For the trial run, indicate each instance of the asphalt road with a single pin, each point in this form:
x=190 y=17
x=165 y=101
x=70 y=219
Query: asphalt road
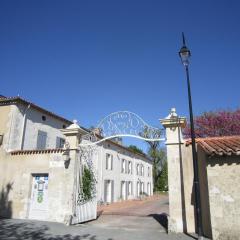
x=36 y=230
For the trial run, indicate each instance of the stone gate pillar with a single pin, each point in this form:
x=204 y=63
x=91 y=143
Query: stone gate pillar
x=73 y=137
x=173 y=125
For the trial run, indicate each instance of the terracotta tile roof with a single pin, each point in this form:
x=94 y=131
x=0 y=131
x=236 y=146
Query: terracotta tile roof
x=35 y=151
x=11 y=100
x=221 y=146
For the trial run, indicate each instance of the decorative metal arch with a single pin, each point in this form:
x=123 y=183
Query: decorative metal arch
x=122 y=124
x=117 y=124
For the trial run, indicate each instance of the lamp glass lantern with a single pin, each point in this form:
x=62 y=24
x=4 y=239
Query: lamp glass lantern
x=185 y=54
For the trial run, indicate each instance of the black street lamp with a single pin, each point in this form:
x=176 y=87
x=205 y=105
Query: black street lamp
x=185 y=54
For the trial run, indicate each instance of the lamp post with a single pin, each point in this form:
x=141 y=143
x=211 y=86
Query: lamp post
x=185 y=54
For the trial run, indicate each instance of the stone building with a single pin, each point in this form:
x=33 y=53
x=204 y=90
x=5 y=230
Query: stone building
x=25 y=125
x=219 y=165
x=38 y=175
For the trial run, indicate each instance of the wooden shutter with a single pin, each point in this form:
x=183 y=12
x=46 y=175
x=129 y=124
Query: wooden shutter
x=105 y=190
x=121 y=195
x=112 y=186
x=41 y=140
x=111 y=162
x=107 y=161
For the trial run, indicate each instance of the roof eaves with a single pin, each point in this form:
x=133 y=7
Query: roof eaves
x=36 y=151
x=19 y=99
x=219 y=146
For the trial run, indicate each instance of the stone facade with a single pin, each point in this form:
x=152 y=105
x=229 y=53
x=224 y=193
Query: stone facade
x=218 y=179
x=20 y=124
x=18 y=173
x=224 y=196
x=21 y=162
x=220 y=198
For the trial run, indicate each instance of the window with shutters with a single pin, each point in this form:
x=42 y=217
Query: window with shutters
x=41 y=140
x=149 y=172
x=138 y=169
x=130 y=167
x=109 y=161
x=60 y=142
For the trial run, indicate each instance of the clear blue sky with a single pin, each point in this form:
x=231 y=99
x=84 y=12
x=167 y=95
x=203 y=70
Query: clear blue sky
x=86 y=59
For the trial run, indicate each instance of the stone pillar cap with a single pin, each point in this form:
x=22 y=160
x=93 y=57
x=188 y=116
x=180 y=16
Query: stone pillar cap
x=74 y=125
x=173 y=120
x=74 y=128
x=172 y=113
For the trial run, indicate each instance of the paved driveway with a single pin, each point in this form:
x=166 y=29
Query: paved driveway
x=154 y=205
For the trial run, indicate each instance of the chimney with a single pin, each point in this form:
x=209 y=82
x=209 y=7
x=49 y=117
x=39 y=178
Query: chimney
x=97 y=131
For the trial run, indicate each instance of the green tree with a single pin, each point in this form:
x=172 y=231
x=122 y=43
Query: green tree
x=135 y=149
x=155 y=152
x=162 y=181
x=159 y=158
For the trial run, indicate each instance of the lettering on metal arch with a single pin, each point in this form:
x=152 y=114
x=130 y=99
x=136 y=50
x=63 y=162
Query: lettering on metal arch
x=122 y=124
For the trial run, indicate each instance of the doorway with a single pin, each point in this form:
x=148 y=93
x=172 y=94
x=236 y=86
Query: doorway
x=123 y=190
x=39 y=197
x=109 y=191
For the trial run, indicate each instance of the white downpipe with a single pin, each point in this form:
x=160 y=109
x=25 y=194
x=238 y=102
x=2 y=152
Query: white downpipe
x=101 y=176
x=24 y=126
x=11 y=126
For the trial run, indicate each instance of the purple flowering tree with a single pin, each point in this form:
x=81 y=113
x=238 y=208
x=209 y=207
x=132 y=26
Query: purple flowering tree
x=212 y=124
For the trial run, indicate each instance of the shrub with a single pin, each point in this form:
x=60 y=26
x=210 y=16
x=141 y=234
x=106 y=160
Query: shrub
x=87 y=184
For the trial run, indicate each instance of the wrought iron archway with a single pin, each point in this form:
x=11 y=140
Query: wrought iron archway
x=115 y=125
x=122 y=124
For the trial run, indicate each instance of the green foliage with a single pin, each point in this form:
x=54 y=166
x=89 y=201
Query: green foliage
x=135 y=149
x=159 y=158
x=87 y=184
x=162 y=181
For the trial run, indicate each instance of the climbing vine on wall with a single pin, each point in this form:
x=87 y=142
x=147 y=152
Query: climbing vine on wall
x=88 y=186
x=87 y=182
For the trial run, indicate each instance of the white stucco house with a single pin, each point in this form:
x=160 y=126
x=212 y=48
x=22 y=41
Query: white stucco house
x=121 y=173
x=34 y=179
